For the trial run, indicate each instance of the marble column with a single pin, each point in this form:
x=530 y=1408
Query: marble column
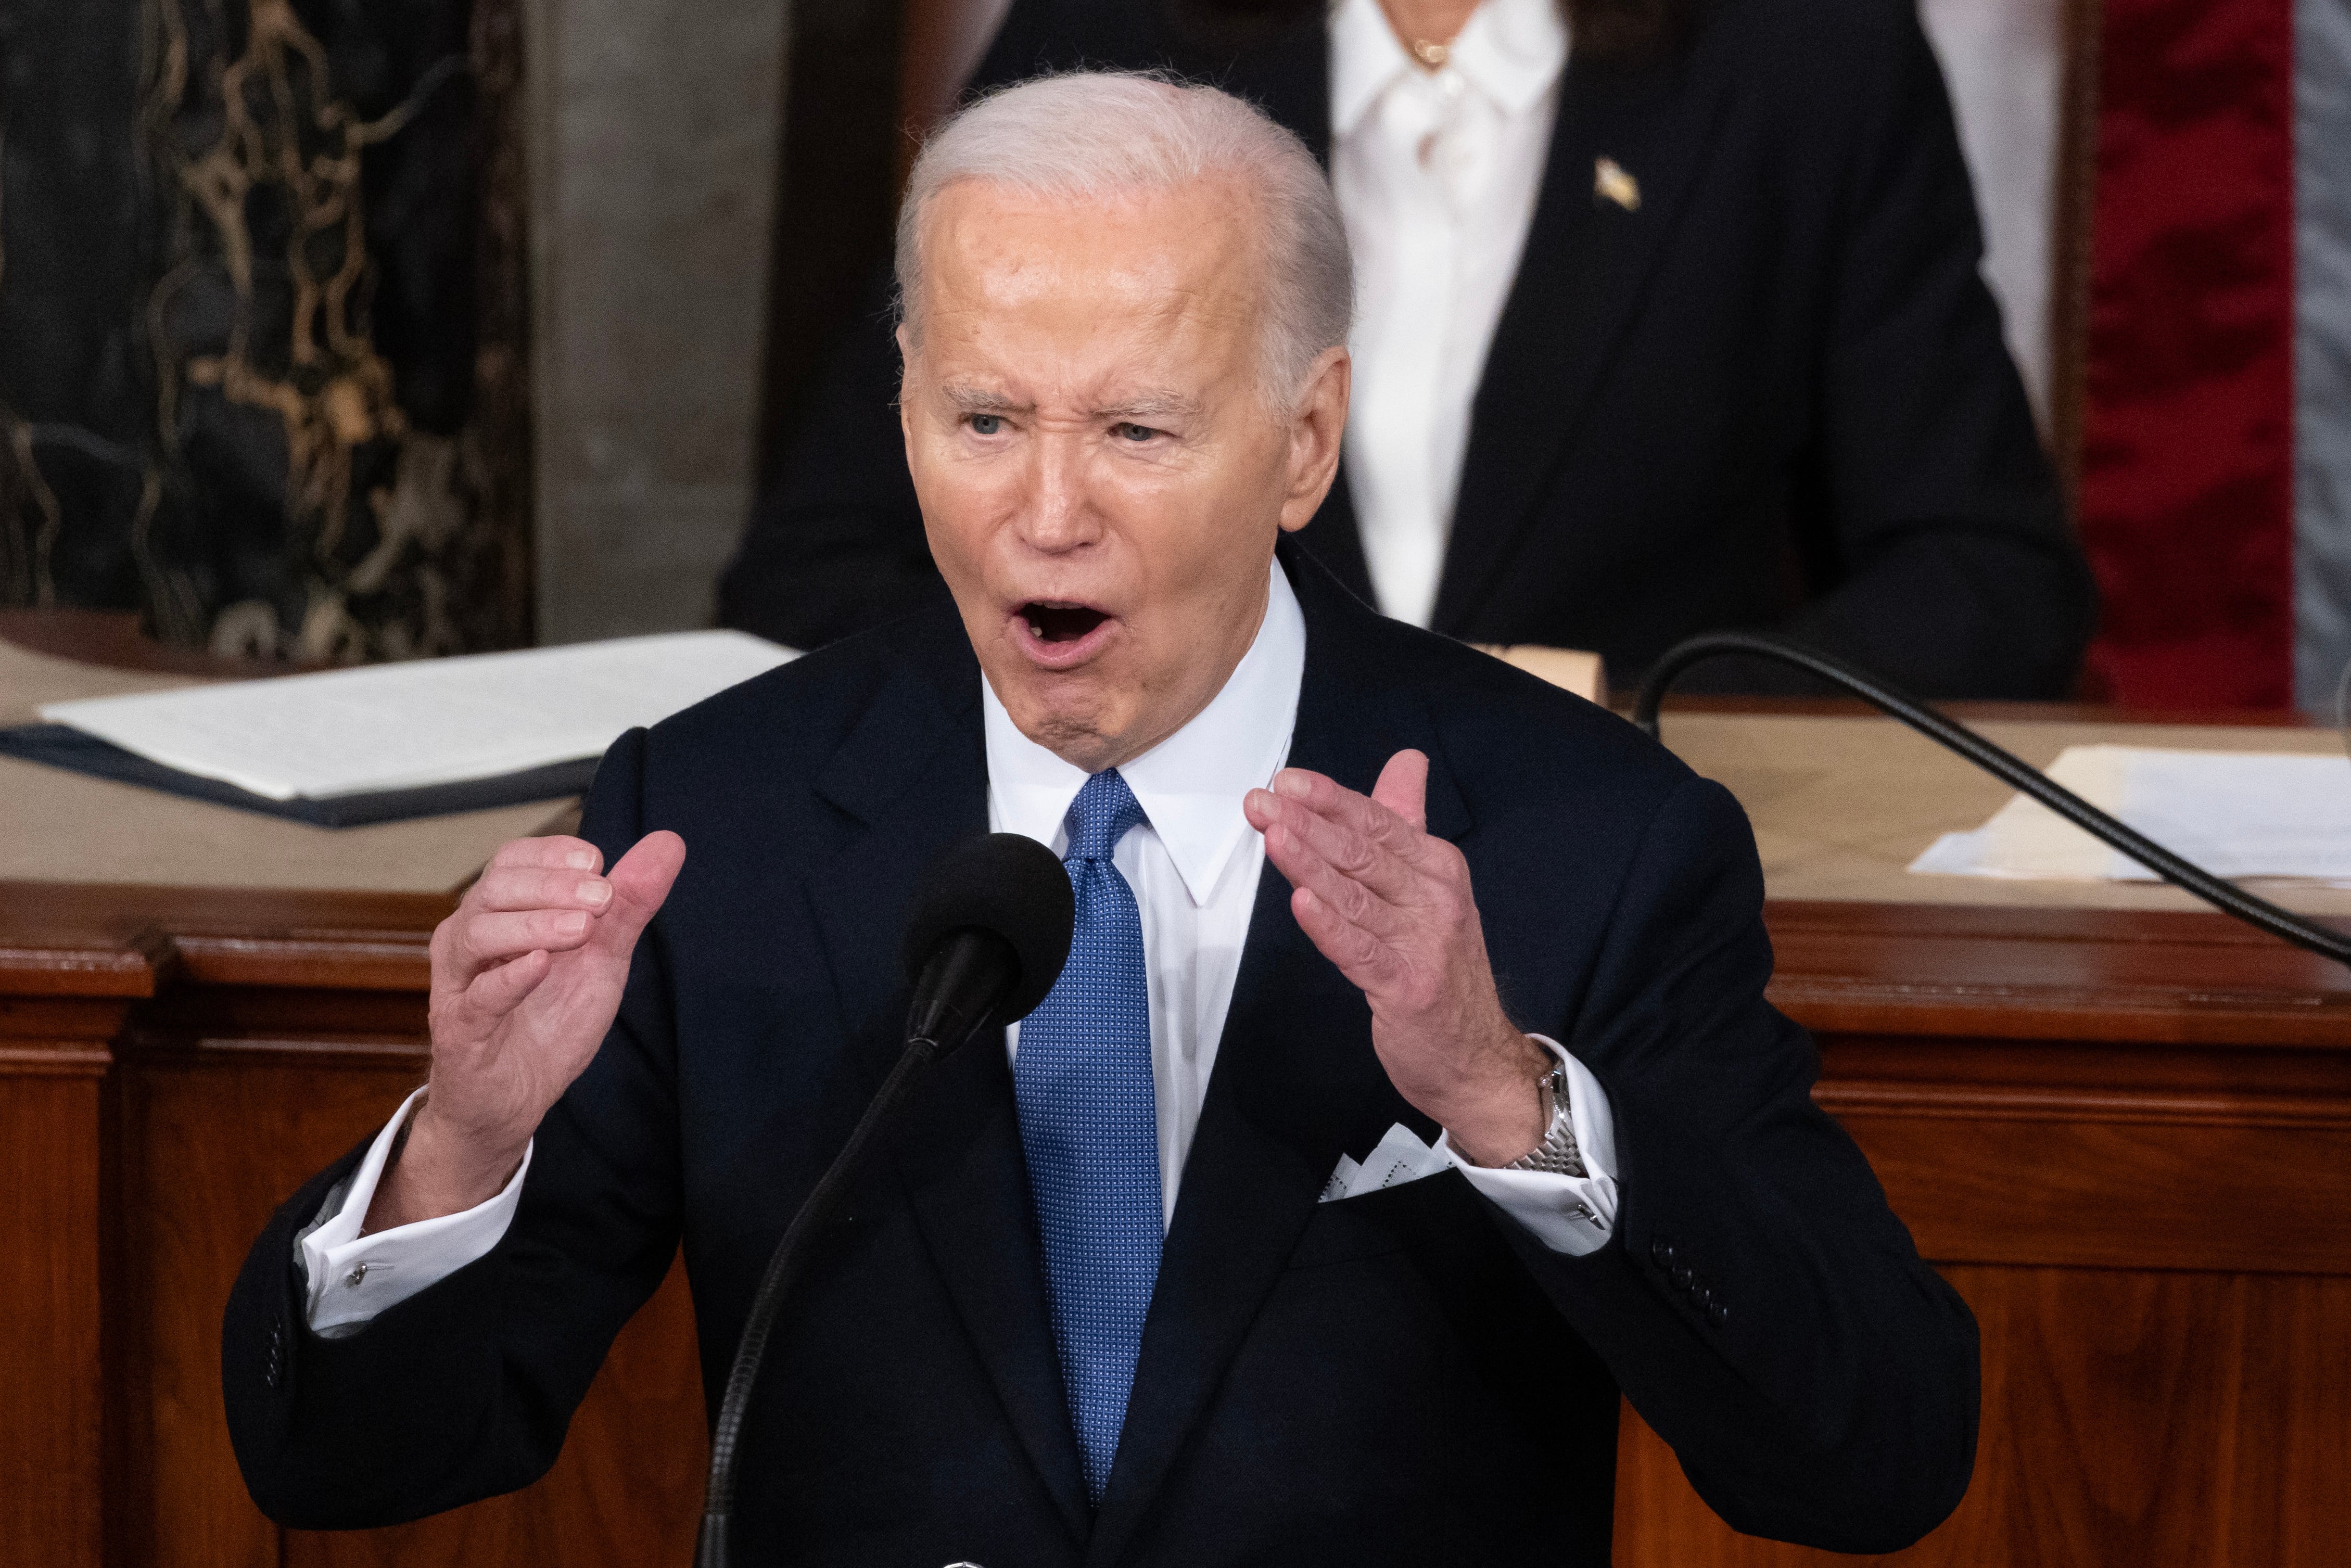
x=653 y=143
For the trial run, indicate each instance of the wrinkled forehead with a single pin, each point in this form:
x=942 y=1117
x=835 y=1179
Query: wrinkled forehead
x=1174 y=263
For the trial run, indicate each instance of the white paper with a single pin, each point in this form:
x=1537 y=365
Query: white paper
x=432 y=721
x=2237 y=814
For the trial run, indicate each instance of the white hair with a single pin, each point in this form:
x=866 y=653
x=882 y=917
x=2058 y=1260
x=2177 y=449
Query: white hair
x=1099 y=133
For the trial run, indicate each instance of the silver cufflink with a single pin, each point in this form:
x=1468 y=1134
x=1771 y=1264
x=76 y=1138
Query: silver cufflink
x=355 y=1276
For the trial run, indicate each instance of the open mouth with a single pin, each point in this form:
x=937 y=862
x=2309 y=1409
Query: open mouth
x=1050 y=623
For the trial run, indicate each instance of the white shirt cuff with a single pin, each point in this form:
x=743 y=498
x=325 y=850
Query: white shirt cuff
x=351 y=1277
x=1575 y=1215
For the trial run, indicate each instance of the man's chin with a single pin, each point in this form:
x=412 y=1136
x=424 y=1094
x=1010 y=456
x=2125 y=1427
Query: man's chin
x=1076 y=714
x=1077 y=737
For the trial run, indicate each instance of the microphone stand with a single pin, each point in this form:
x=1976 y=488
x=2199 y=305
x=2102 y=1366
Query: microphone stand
x=986 y=942
x=2226 y=896
x=726 y=1435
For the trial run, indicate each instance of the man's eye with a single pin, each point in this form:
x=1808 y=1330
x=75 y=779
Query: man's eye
x=1135 y=431
x=987 y=424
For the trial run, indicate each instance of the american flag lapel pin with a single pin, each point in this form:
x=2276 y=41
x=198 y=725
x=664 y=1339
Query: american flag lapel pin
x=1610 y=183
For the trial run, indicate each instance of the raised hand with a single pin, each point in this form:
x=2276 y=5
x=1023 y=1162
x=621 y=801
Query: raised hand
x=1392 y=907
x=528 y=974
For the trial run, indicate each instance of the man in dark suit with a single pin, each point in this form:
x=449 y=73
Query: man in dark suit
x=1409 y=1092
x=1746 y=374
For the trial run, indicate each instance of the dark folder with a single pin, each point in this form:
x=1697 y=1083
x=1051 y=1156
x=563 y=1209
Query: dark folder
x=58 y=745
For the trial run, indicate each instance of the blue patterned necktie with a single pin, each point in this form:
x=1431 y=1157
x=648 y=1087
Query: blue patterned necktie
x=1089 y=1126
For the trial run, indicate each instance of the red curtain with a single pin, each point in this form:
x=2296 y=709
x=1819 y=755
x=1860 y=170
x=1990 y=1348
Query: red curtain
x=2186 y=475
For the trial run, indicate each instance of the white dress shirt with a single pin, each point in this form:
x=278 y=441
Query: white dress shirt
x=1193 y=866
x=1437 y=173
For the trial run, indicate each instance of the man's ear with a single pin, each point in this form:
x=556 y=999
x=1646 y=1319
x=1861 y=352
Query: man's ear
x=1316 y=430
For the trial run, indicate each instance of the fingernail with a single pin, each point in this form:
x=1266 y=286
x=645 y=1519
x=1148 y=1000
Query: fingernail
x=581 y=860
x=571 y=924
x=1290 y=783
x=594 y=890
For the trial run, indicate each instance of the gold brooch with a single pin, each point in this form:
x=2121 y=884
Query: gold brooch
x=1611 y=183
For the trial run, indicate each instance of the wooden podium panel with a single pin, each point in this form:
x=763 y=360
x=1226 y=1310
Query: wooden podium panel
x=234 y=1045
x=2126 y=1141
x=2196 y=1421
x=2132 y=1157
x=2122 y=1129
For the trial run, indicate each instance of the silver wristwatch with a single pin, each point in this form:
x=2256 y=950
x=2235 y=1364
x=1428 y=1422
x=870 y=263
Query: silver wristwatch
x=1557 y=1154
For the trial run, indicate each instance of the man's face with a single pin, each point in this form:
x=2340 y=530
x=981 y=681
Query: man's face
x=1101 y=474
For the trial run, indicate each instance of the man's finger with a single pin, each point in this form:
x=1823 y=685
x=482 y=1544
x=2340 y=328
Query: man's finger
x=1365 y=960
x=1387 y=861
x=640 y=882
x=1404 y=787
x=1348 y=892
x=1369 y=881
x=554 y=852
x=488 y=939
x=1326 y=797
x=498 y=990
x=536 y=887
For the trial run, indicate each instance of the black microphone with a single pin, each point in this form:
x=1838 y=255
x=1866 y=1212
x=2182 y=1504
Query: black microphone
x=989 y=937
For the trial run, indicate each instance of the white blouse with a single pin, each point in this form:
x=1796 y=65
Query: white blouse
x=1437 y=173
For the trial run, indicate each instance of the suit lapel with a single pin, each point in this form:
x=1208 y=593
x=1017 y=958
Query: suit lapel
x=1586 y=265
x=911 y=781
x=1296 y=1084
x=958 y=1152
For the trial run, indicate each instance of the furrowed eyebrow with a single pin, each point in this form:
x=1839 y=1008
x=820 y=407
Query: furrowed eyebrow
x=966 y=398
x=1149 y=407
x=969 y=399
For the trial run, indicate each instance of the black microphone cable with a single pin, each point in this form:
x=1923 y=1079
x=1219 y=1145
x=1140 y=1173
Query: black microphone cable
x=2223 y=896
x=989 y=937
x=726 y=1433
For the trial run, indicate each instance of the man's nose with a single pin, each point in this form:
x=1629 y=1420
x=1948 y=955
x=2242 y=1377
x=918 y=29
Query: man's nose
x=1057 y=513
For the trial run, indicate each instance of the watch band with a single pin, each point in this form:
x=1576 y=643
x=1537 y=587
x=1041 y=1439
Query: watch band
x=1557 y=1154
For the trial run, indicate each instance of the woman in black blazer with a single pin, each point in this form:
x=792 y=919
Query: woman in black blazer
x=1747 y=373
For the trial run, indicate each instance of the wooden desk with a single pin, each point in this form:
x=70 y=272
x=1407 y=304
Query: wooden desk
x=2123 y=1129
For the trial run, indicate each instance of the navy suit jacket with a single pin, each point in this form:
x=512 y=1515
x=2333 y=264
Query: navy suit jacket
x=1402 y=1378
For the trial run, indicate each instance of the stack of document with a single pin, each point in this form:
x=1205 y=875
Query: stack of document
x=402 y=739
x=2237 y=814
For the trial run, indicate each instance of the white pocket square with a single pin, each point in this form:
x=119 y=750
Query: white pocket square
x=1399 y=1158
